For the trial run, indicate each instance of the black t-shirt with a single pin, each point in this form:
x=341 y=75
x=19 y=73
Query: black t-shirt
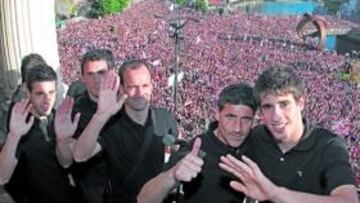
x=135 y=153
x=317 y=164
x=212 y=184
x=43 y=178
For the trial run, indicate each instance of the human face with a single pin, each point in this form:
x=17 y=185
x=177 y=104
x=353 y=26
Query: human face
x=282 y=116
x=138 y=87
x=94 y=72
x=235 y=122
x=42 y=97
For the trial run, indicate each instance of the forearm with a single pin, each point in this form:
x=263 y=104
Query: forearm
x=344 y=194
x=87 y=142
x=8 y=160
x=64 y=151
x=156 y=190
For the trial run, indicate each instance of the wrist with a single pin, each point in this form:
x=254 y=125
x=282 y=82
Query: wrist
x=170 y=177
x=64 y=139
x=101 y=117
x=13 y=137
x=276 y=193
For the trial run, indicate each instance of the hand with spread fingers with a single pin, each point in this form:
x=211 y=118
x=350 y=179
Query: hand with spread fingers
x=65 y=127
x=190 y=166
x=110 y=98
x=253 y=182
x=19 y=125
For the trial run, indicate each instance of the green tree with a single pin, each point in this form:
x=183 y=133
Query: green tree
x=201 y=5
x=108 y=7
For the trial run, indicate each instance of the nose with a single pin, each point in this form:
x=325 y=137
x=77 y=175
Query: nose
x=46 y=99
x=98 y=78
x=276 y=115
x=237 y=126
x=139 y=91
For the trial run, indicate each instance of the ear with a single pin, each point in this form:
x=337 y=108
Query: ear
x=217 y=116
x=301 y=102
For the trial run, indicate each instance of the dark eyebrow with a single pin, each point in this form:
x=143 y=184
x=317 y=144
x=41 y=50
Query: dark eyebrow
x=230 y=115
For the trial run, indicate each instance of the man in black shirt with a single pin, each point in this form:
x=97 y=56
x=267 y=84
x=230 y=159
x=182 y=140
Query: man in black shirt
x=294 y=160
x=203 y=180
x=132 y=141
x=91 y=177
x=30 y=145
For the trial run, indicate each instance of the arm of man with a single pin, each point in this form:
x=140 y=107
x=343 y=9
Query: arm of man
x=108 y=104
x=185 y=170
x=255 y=185
x=18 y=128
x=64 y=130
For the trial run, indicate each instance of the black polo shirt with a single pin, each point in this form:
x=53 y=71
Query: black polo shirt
x=317 y=164
x=124 y=142
x=213 y=183
x=43 y=178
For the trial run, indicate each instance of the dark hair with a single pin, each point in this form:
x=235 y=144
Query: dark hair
x=279 y=81
x=97 y=55
x=131 y=64
x=40 y=73
x=28 y=62
x=237 y=94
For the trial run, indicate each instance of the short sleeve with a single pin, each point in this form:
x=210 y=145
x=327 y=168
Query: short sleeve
x=337 y=167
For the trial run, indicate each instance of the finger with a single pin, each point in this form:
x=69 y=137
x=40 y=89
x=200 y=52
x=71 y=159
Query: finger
x=28 y=109
x=238 y=186
x=70 y=105
x=230 y=169
x=239 y=164
x=184 y=175
x=195 y=160
x=103 y=83
x=16 y=108
x=116 y=83
x=249 y=162
x=62 y=107
x=192 y=165
x=109 y=80
x=228 y=162
x=196 y=147
x=121 y=101
x=31 y=121
x=23 y=106
x=76 y=119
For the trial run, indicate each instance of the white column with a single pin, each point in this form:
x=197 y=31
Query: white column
x=27 y=26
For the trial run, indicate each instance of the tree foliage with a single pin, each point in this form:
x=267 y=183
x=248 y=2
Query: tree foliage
x=108 y=7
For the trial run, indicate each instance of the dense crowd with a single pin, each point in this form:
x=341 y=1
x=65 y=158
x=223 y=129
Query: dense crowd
x=217 y=51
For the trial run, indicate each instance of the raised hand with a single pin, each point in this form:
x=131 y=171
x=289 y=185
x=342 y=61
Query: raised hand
x=253 y=182
x=65 y=127
x=110 y=99
x=18 y=124
x=190 y=166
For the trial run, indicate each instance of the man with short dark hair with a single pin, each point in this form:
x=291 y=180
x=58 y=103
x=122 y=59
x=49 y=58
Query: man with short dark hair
x=27 y=63
x=30 y=145
x=131 y=138
x=294 y=160
x=203 y=180
x=91 y=177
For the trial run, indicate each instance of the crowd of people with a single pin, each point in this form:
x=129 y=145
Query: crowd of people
x=217 y=51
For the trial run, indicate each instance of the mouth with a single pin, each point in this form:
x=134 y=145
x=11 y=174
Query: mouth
x=279 y=127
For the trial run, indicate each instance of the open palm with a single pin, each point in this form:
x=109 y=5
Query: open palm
x=65 y=127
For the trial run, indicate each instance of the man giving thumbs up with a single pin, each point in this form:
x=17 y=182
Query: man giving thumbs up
x=202 y=179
